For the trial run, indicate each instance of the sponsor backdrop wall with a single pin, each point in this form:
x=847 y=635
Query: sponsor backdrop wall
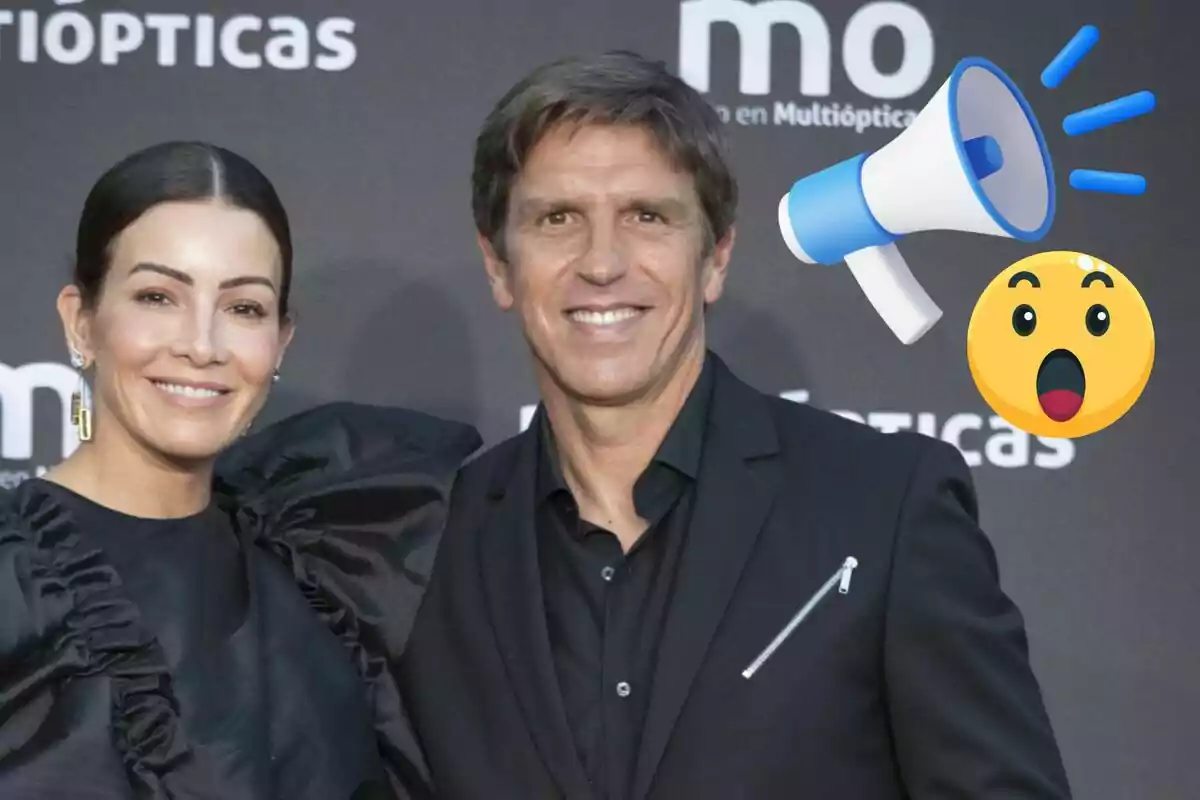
x=364 y=113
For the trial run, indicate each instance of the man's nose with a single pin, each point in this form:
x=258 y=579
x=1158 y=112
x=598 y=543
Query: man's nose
x=605 y=260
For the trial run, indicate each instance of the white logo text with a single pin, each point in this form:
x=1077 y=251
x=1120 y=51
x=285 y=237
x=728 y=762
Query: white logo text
x=755 y=22
x=241 y=41
x=17 y=388
x=980 y=439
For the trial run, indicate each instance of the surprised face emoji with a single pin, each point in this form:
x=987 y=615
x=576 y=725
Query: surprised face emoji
x=1060 y=344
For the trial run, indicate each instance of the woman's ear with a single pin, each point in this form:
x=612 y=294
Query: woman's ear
x=287 y=330
x=77 y=323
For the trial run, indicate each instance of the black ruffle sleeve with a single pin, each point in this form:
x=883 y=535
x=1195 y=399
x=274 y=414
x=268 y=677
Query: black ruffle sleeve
x=352 y=499
x=64 y=621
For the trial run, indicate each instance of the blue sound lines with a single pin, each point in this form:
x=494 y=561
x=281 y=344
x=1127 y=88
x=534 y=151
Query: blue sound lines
x=1097 y=117
x=1110 y=113
x=1070 y=56
x=1094 y=180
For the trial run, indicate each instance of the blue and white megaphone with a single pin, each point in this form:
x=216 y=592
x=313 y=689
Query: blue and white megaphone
x=973 y=160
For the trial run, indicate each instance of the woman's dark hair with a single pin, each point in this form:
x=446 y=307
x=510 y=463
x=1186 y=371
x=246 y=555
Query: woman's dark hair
x=172 y=172
x=617 y=87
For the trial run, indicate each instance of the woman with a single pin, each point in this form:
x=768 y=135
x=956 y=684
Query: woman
x=170 y=629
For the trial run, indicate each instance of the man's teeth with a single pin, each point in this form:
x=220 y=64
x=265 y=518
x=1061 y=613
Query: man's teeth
x=186 y=391
x=604 y=317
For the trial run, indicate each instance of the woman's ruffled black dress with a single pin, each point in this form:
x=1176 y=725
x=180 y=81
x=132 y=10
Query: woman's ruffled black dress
x=242 y=653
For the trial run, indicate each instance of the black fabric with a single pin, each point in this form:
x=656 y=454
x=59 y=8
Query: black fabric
x=916 y=683
x=186 y=576
x=604 y=607
x=133 y=666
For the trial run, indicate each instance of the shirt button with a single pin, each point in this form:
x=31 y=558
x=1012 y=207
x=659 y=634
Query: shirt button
x=623 y=689
x=607 y=573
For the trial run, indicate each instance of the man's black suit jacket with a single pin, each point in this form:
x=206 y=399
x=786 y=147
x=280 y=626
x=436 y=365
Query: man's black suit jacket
x=914 y=684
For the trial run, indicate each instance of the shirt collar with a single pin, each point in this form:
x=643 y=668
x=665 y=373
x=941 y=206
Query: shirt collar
x=681 y=448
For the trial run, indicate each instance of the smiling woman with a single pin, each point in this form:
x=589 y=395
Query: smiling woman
x=173 y=627
x=183 y=270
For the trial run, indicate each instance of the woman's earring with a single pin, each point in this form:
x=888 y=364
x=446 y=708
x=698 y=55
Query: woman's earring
x=275 y=377
x=81 y=400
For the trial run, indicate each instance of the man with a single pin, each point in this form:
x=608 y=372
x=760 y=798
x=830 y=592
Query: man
x=607 y=578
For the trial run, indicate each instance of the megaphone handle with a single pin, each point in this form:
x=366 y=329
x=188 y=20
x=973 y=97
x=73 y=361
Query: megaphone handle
x=893 y=291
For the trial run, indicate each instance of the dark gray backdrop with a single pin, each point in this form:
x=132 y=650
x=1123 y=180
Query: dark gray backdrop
x=1096 y=538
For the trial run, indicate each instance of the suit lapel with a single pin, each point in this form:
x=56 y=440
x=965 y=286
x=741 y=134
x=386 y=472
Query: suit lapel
x=513 y=585
x=734 y=496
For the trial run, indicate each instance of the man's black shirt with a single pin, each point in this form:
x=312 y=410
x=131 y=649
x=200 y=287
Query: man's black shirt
x=604 y=608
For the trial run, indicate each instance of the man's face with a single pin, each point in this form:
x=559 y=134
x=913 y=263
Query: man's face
x=605 y=263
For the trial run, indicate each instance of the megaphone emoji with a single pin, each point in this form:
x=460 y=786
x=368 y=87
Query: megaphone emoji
x=973 y=160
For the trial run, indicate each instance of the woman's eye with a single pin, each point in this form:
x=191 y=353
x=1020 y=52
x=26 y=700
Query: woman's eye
x=152 y=298
x=249 y=310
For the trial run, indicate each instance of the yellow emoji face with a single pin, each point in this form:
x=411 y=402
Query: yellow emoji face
x=1060 y=344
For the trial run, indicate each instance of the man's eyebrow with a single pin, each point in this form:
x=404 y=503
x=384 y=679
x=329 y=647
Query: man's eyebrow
x=534 y=203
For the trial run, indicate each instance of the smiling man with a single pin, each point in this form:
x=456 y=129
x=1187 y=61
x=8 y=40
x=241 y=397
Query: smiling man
x=605 y=614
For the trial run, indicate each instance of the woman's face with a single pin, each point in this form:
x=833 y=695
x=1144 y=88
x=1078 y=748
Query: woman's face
x=186 y=333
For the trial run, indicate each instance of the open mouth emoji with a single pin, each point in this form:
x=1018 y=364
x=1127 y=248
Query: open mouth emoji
x=1060 y=344
x=1060 y=385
